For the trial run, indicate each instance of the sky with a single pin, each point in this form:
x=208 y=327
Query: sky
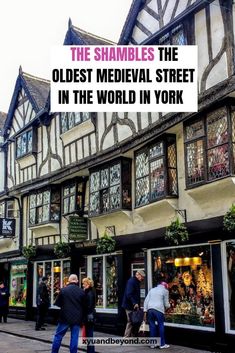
x=28 y=29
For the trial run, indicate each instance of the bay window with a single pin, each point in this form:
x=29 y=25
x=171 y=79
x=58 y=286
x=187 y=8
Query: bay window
x=207 y=146
x=156 y=171
x=74 y=197
x=69 y=120
x=110 y=187
x=44 y=206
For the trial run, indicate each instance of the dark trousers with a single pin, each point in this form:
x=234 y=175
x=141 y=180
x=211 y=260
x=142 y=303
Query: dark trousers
x=3 y=313
x=90 y=333
x=41 y=314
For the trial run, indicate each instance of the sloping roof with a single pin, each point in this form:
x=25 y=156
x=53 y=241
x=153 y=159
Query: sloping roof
x=36 y=89
x=77 y=36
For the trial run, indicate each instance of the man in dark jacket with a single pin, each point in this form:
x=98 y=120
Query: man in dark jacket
x=131 y=300
x=4 y=299
x=71 y=300
x=43 y=303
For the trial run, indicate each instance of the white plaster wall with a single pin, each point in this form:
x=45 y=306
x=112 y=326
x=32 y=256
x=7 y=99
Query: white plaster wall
x=218 y=73
x=109 y=140
x=73 y=153
x=93 y=144
x=217 y=28
x=181 y=7
x=138 y=35
x=86 y=147
x=124 y=132
x=79 y=149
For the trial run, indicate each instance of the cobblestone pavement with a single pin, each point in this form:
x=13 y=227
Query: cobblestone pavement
x=19 y=336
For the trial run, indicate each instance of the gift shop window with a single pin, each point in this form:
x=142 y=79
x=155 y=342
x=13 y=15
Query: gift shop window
x=69 y=120
x=104 y=275
x=18 y=285
x=209 y=147
x=188 y=273
x=57 y=272
x=110 y=188
x=229 y=285
x=24 y=143
x=44 y=206
x=156 y=171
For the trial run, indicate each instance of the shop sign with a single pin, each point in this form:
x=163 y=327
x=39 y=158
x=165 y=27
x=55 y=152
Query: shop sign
x=7 y=227
x=77 y=228
x=86 y=244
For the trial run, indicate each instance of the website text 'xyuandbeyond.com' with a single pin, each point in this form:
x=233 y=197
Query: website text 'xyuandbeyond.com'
x=119 y=341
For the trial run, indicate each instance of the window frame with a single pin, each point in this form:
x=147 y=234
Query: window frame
x=28 y=152
x=41 y=191
x=67 y=115
x=166 y=143
x=76 y=209
x=230 y=109
x=6 y=209
x=112 y=163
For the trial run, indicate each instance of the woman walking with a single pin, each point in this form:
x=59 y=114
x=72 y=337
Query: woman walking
x=155 y=304
x=88 y=286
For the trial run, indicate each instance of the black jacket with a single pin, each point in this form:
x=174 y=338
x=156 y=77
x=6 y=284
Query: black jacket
x=131 y=294
x=90 y=300
x=43 y=295
x=71 y=300
x=4 y=297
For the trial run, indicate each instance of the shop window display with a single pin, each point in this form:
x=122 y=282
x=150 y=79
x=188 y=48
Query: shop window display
x=57 y=272
x=18 y=285
x=104 y=274
x=230 y=251
x=189 y=275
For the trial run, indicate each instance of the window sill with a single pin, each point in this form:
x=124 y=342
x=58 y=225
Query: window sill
x=26 y=161
x=78 y=131
x=161 y=209
x=41 y=230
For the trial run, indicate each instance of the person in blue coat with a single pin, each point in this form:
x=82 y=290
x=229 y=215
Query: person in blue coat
x=131 y=299
x=4 y=301
x=71 y=301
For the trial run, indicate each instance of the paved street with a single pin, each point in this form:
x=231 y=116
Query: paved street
x=19 y=336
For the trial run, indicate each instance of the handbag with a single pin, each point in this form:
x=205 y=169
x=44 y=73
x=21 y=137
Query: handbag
x=136 y=317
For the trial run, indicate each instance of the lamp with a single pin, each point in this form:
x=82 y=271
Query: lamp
x=188 y=261
x=56 y=269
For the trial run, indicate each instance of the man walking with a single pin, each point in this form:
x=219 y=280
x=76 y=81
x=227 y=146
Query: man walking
x=71 y=300
x=4 y=298
x=131 y=300
x=43 y=302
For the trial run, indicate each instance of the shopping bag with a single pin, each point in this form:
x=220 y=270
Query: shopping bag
x=136 y=317
x=144 y=327
x=83 y=334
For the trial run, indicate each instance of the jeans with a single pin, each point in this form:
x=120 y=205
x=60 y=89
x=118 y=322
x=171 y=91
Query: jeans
x=89 y=333
x=61 y=330
x=154 y=315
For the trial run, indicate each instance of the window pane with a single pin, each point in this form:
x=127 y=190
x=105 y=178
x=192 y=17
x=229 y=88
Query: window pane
x=18 y=285
x=115 y=174
x=78 y=118
x=104 y=200
x=72 y=204
x=48 y=275
x=45 y=213
x=94 y=181
x=195 y=130
x=32 y=216
x=64 y=122
x=156 y=150
x=55 y=196
x=217 y=128
x=94 y=203
x=18 y=144
x=189 y=276
x=111 y=282
x=32 y=201
x=115 y=197
x=104 y=178
x=85 y=116
x=142 y=191
x=30 y=141
x=24 y=144
x=66 y=272
x=55 y=212
x=178 y=37
x=142 y=165
x=218 y=162
x=10 y=209
x=39 y=214
x=70 y=120
x=230 y=250
x=97 y=275
x=56 y=282
x=157 y=179
x=39 y=199
x=172 y=181
x=46 y=197
x=195 y=162
x=66 y=205
x=2 y=209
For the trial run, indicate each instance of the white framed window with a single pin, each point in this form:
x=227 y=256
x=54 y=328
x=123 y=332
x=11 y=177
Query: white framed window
x=57 y=272
x=228 y=270
x=103 y=270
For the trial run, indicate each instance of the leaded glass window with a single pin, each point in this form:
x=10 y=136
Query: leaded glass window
x=7 y=209
x=174 y=37
x=110 y=187
x=207 y=147
x=24 y=144
x=156 y=173
x=44 y=206
x=73 y=197
x=69 y=120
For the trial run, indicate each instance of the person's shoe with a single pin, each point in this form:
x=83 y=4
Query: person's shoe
x=153 y=346
x=165 y=346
